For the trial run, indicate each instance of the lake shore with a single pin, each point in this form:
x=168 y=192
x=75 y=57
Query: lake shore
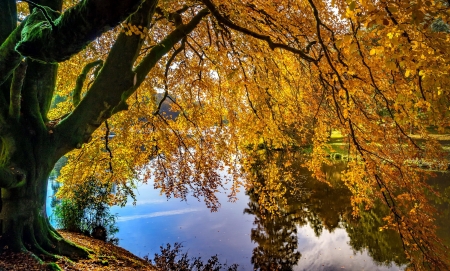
x=105 y=256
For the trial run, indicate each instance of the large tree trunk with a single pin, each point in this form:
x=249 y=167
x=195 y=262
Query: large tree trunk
x=30 y=144
x=28 y=156
x=25 y=226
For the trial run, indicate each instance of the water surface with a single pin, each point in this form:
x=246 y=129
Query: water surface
x=314 y=231
x=313 y=228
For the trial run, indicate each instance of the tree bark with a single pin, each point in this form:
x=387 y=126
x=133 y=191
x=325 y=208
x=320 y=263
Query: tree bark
x=23 y=220
x=28 y=142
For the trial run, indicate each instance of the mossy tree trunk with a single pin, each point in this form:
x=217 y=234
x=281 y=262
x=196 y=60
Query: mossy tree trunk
x=27 y=158
x=30 y=144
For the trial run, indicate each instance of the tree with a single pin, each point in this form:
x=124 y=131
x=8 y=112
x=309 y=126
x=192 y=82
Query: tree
x=244 y=76
x=30 y=143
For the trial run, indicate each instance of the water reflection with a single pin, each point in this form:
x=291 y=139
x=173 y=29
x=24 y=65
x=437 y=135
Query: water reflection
x=275 y=236
x=290 y=222
x=322 y=207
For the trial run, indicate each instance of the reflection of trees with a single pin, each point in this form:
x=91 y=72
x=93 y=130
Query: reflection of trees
x=384 y=247
x=283 y=196
x=276 y=237
x=275 y=230
x=53 y=183
x=327 y=204
x=54 y=186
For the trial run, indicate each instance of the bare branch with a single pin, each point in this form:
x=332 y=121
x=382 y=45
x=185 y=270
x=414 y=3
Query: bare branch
x=166 y=93
x=107 y=146
x=166 y=45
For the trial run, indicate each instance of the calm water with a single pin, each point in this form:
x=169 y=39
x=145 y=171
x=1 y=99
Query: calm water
x=154 y=221
x=314 y=231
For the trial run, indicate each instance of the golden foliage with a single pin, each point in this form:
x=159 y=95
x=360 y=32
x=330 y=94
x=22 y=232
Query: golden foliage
x=281 y=74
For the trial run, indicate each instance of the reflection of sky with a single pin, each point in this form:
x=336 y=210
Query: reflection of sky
x=155 y=221
x=155 y=214
x=331 y=252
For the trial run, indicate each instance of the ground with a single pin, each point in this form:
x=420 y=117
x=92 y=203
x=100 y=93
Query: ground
x=105 y=256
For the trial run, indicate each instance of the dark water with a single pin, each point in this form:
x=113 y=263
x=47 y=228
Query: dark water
x=314 y=230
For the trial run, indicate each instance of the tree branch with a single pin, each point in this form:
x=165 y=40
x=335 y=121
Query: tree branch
x=106 y=91
x=272 y=45
x=73 y=30
x=9 y=57
x=157 y=52
x=119 y=81
x=76 y=92
x=16 y=89
x=107 y=146
x=166 y=72
x=43 y=10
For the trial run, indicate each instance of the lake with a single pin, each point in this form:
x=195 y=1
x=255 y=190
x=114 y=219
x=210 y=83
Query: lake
x=314 y=230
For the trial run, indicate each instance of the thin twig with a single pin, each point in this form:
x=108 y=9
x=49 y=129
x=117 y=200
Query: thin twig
x=166 y=93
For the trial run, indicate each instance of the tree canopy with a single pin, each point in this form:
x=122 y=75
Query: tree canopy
x=243 y=77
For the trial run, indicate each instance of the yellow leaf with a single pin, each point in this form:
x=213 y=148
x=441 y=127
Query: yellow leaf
x=352 y=5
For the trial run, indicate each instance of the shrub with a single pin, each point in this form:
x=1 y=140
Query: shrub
x=88 y=212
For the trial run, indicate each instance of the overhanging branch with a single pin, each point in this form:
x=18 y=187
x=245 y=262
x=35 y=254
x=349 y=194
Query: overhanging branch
x=158 y=51
x=76 y=92
x=43 y=10
x=73 y=30
x=9 y=57
x=115 y=83
x=273 y=45
x=106 y=91
x=108 y=132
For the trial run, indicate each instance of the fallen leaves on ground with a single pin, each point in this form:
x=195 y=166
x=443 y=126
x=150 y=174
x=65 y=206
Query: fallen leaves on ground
x=105 y=256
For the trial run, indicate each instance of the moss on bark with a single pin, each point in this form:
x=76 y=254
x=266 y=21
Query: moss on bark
x=28 y=149
x=71 y=31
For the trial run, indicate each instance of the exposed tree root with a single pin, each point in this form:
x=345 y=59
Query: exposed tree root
x=53 y=267
x=33 y=246
x=42 y=242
